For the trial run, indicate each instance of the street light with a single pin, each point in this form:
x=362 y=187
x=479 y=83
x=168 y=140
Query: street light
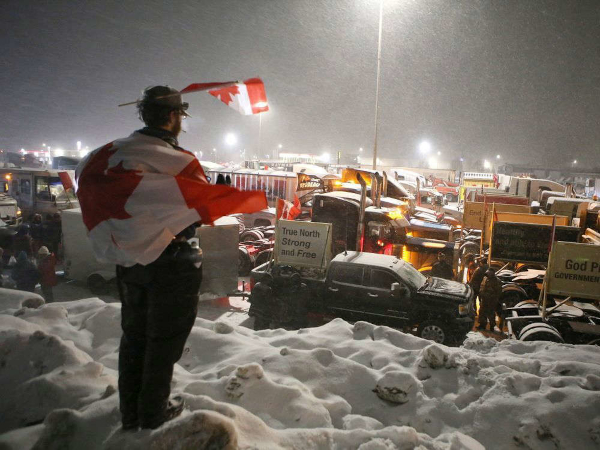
x=486 y=164
x=377 y=86
x=230 y=139
x=439 y=153
x=497 y=156
x=424 y=147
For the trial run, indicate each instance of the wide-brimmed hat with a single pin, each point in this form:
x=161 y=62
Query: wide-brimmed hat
x=43 y=251
x=164 y=96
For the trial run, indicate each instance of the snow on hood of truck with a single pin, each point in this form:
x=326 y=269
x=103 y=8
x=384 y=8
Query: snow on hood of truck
x=347 y=196
x=417 y=223
x=446 y=288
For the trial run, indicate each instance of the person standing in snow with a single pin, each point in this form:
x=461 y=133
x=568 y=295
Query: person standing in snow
x=23 y=241
x=47 y=267
x=491 y=290
x=36 y=232
x=441 y=268
x=25 y=273
x=478 y=275
x=160 y=299
x=470 y=265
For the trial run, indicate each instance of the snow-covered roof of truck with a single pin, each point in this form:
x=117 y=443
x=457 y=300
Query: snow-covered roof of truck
x=370 y=259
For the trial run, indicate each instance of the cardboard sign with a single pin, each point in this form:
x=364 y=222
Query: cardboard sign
x=303 y=244
x=308 y=182
x=473 y=213
x=519 y=218
x=574 y=270
x=526 y=242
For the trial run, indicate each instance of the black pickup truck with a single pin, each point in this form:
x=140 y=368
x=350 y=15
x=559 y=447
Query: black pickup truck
x=380 y=289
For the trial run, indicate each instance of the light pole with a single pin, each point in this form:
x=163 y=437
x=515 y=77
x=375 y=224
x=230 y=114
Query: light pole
x=377 y=86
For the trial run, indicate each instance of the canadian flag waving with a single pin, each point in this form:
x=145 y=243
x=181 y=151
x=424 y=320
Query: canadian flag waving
x=137 y=193
x=248 y=97
x=288 y=210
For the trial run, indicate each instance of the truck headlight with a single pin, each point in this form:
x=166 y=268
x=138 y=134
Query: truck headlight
x=463 y=309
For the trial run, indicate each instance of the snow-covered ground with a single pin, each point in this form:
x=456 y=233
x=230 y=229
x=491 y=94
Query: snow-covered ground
x=339 y=386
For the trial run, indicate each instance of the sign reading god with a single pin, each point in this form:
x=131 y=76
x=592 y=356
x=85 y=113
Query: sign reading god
x=574 y=270
x=303 y=244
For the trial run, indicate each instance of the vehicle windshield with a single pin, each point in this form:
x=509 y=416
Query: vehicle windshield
x=411 y=276
x=57 y=189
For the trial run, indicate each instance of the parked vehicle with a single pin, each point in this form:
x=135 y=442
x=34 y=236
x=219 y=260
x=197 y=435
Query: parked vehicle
x=447 y=189
x=381 y=230
x=39 y=191
x=10 y=213
x=381 y=289
x=532 y=187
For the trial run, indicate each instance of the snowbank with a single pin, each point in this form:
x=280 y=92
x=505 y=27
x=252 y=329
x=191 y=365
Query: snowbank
x=337 y=386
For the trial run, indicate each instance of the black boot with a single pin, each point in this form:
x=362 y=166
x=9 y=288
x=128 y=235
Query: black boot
x=174 y=409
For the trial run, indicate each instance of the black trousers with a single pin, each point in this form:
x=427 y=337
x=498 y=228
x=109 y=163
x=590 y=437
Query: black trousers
x=159 y=306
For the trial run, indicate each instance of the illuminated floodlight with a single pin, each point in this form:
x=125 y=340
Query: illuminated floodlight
x=497 y=156
x=486 y=164
x=230 y=139
x=325 y=157
x=424 y=147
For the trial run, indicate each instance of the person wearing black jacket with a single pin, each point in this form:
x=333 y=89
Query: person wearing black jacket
x=441 y=268
x=159 y=300
x=25 y=273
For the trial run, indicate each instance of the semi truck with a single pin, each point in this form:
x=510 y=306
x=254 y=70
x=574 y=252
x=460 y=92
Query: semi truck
x=362 y=224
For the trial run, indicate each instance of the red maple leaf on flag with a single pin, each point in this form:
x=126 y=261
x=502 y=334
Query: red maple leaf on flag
x=104 y=192
x=225 y=94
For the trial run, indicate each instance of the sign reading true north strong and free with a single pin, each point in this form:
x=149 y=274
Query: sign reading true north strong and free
x=304 y=244
x=574 y=270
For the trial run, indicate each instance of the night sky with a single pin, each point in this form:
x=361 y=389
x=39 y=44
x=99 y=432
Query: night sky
x=475 y=78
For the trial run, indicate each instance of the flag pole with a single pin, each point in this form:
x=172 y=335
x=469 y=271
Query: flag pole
x=545 y=284
x=199 y=87
x=491 y=228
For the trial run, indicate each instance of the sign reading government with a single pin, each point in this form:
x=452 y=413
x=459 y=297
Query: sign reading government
x=574 y=270
x=303 y=244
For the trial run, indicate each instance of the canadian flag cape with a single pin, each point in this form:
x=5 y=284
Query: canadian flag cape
x=137 y=193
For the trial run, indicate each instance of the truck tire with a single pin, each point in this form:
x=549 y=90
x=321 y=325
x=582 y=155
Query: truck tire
x=97 y=284
x=251 y=236
x=244 y=262
x=469 y=247
x=526 y=304
x=434 y=331
x=540 y=331
x=511 y=298
x=263 y=257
